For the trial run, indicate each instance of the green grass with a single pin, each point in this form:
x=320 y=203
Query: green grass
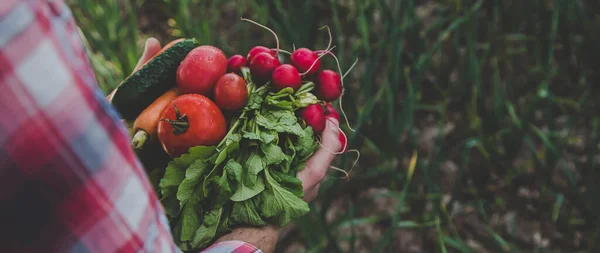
x=516 y=80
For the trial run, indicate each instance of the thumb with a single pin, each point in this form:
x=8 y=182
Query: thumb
x=330 y=136
x=151 y=47
x=318 y=164
x=330 y=143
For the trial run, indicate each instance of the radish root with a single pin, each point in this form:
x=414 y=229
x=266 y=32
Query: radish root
x=347 y=173
x=355 y=160
x=315 y=62
x=328 y=150
x=350 y=68
x=283 y=51
x=330 y=37
x=332 y=152
x=269 y=29
x=344 y=113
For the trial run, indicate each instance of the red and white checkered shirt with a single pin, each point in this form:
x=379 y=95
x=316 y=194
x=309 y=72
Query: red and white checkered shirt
x=69 y=181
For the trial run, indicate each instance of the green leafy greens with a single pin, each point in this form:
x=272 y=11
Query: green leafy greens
x=249 y=179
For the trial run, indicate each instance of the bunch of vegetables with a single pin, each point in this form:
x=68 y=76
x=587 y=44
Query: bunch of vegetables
x=235 y=133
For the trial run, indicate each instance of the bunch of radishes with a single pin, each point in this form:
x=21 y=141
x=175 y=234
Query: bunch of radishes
x=305 y=64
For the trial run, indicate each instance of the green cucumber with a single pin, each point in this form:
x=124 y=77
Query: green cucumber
x=141 y=88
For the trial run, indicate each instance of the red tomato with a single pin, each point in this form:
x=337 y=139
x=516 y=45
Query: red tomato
x=190 y=120
x=231 y=93
x=200 y=69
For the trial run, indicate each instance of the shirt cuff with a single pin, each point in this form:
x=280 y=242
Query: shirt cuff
x=232 y=247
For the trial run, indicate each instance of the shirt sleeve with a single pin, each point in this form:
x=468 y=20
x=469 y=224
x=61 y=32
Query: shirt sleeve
x=232 y=246
x=69 y=180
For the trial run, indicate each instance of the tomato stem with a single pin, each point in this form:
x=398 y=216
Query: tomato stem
x=181 y=124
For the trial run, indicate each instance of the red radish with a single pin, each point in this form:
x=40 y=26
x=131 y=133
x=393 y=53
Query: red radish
x=285 y=76
x=343 y=141
x=235 y=63
x=331 y=112
x=257 y=50
x=262 y=66
x=231 y=93
x=200 y=70
x=306 y=61
x=328 y=86
x=262 y=59
x=314 y=116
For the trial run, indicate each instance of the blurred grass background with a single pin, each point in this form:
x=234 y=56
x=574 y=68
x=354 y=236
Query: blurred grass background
x=494 y=99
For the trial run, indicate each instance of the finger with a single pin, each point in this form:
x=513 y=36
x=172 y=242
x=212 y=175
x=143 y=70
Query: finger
x=317 y=165
x=330 y=142
x=151 y=47
x=109 y=97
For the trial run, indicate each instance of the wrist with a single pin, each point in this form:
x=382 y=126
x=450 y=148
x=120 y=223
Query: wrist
x=263 y=238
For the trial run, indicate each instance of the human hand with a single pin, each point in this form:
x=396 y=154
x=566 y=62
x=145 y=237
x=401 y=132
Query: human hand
x=317 y=166
x=151 y=47
x=265 y=238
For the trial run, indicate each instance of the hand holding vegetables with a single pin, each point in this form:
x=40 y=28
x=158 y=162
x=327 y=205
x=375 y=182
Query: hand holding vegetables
x=266 y=237
x=250 y=139
x=318 y=164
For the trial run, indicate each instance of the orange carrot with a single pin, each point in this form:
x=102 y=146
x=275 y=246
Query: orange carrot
x=146 y=123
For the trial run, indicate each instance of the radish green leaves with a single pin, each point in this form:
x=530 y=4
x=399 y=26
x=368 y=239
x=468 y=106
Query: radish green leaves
x=249 y=179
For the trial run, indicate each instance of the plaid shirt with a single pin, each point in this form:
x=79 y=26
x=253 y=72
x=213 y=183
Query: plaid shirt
x=69 y=181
